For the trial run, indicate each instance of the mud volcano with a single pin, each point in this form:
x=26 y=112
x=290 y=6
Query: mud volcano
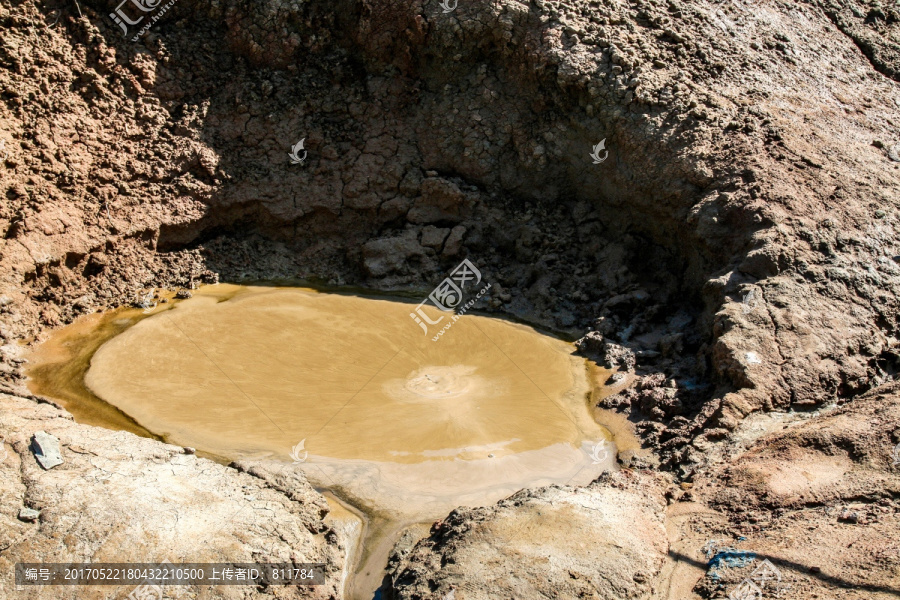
x=347 y=390
x=391 y=417
x=705 y=194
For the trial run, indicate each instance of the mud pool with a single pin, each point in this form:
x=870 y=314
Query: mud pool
x=347 y=388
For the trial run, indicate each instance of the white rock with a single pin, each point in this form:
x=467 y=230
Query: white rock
x=29 y=514
x=46 y=450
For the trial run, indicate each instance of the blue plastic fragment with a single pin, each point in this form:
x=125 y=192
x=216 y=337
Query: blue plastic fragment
x=730 y=557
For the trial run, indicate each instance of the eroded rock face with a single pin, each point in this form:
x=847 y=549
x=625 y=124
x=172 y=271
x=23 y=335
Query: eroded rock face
x=606 y=540
x=121 y=498
x=606 y=352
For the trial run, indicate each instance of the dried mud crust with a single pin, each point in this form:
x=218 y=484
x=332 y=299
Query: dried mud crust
x=738 y=246
x=820 y=499
x=119 y=498
x=606 y=540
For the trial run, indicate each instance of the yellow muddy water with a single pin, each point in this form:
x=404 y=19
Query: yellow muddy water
x=349 y=389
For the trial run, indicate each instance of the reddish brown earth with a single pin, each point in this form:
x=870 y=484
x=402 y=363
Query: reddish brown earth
x=738 y=249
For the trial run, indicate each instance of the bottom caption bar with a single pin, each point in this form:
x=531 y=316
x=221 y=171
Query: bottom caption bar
x=266 y=574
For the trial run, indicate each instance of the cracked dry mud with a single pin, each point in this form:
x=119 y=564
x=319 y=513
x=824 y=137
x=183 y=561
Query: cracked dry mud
x=736 y=255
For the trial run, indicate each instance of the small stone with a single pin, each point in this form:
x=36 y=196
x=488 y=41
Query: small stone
x=894 y=153
x=815 y=569
x=46 y=450
x=189 y=450
x=717 y=433
x=848 y=516
x=453 y=243
x=183 y=294
x=433 y=237
x=29 y=514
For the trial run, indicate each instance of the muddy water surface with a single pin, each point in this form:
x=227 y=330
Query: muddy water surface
x=350 y=390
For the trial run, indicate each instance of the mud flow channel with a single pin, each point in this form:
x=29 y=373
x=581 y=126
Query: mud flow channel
x=400 y=428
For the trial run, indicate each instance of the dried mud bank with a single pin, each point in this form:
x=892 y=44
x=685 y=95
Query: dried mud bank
x=737 y=249
x=121 y=498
